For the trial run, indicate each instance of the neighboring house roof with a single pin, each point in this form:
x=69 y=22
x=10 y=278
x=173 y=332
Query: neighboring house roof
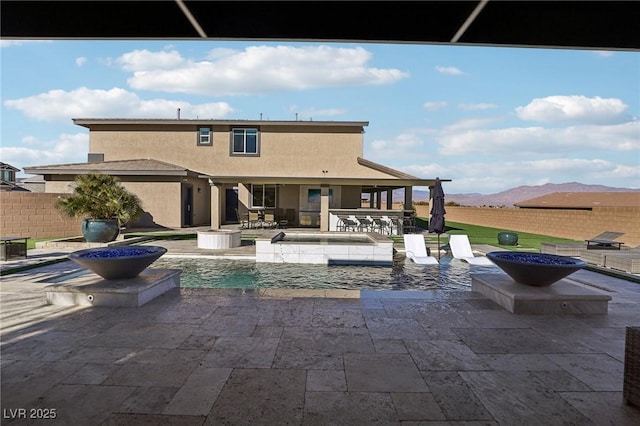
x=5 y=166
x=88 y=122
x=139 y=167
x=11 y=186
x=583 y=200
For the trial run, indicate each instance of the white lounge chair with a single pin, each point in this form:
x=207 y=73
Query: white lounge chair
x=416 y=250
x=461 y=249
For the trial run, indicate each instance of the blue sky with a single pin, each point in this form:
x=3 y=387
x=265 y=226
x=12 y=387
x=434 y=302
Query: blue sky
x=488 y=118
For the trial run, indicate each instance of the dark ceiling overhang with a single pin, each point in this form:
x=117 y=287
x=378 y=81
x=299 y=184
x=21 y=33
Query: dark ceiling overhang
x=609 y=25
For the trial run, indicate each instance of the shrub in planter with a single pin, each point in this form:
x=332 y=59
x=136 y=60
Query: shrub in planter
x=105 y=204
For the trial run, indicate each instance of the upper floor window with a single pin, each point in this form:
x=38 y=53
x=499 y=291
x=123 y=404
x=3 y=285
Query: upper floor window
x=8 y=175
x=244 y=142
x=204 y=136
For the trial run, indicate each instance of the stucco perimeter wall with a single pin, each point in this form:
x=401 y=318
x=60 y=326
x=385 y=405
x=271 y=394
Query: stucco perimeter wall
x=572 y=224
x=33 y=214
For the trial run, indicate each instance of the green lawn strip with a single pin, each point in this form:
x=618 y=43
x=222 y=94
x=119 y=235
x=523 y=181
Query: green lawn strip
x=486 y=235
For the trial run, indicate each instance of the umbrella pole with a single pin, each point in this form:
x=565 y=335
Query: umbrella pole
x=438 y=246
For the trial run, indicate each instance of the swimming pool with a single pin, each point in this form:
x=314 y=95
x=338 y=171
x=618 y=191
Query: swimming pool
x=451 y=275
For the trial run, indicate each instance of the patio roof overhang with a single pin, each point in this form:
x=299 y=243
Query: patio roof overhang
x=596 y=24
x=368 y=183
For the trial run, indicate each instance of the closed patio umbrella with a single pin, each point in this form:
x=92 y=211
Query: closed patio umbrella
x=436 y=224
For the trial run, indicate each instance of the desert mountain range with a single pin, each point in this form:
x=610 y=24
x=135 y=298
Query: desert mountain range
x=521 y=193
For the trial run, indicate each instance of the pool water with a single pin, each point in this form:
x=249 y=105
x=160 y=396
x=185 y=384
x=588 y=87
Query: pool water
x=453 y=275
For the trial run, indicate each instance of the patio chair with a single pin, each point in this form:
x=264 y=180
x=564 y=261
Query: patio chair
x=575 y=249
x=416 y=250
x=254 y=219
x=461 y=249
x=269 y=220
x=243 y=219
x=290 y=217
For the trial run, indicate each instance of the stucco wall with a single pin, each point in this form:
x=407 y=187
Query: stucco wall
x=33 y=214
x=160 y=196
x=573 y=224
x=284 y=151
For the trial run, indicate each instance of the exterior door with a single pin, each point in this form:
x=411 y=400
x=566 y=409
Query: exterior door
x=187 y=205
x=231 y=204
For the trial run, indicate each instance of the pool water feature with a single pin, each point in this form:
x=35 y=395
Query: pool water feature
x=203 y=272
x=326 y=248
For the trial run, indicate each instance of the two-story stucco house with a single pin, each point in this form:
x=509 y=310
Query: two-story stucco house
x=203 y=172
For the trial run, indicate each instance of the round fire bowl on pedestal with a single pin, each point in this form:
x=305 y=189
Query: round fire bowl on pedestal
x=119 y=262
x=535 y=269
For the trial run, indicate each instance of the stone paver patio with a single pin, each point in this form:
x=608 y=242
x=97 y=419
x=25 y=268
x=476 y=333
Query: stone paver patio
x=209 y=357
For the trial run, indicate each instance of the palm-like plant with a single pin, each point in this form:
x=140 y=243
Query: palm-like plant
x=101 y=196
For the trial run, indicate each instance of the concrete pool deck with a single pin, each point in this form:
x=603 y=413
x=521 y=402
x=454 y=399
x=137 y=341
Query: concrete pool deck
x=206 y=357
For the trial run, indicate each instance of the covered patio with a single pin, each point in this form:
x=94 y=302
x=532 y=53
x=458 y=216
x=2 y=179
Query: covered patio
x=322 y=203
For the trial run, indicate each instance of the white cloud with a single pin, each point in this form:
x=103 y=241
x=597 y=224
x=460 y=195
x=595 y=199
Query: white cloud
x=603 y=53
x=255 y=70
x=312 y=113
x=144 y=60
x=470 y=123
x=486 y=178
x=81 y=61
x=116 y=102
x=476 y=107
x=434 y=106
x=524 y=141
x=449 y=70
x=403 y=141
x=404 y=146
x=67 y=148
x=12 y=43
x=573 y=108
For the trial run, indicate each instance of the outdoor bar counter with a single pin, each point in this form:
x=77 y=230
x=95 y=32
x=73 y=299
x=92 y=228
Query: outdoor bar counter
x=393 y=227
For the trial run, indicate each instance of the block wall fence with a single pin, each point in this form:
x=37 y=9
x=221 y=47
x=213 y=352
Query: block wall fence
x=34 y=215
x=564 y=223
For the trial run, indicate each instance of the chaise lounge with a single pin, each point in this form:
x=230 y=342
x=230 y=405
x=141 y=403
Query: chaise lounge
x=575 y=249
x=461 y=249
x=416 y=250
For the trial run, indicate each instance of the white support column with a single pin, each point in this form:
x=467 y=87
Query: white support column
x=324 y=208
x=216 y=205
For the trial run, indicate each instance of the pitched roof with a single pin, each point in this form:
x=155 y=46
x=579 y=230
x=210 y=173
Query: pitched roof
x=6 y=166
x=385 y=169
x=140 y=167
x=583 y=200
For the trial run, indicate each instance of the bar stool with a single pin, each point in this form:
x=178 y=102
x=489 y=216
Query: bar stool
x=380 y=224
x=364 y=223
x=345 y=223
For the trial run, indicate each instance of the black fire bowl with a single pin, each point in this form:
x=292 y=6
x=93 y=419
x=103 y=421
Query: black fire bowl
x=535 y=269
x=119 y=262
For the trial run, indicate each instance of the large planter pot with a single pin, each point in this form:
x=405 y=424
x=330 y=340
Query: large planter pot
x=535 y=269
x=100 y=230
x=118 y=262
x=507 y=238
